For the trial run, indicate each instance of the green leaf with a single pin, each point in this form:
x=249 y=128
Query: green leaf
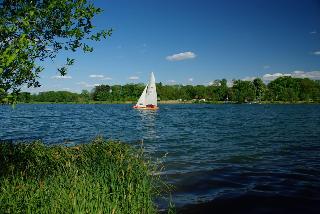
x=62 y=71
x=70 y=61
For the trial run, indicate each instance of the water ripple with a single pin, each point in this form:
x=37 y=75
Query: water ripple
x=213 y=151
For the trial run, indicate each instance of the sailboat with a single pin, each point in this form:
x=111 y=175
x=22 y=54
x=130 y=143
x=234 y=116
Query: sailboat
x=148 y=98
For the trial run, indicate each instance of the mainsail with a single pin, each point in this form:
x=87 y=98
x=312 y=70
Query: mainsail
x=151 y=96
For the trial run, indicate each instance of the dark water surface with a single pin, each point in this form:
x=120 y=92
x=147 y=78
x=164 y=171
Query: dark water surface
x=224 y=158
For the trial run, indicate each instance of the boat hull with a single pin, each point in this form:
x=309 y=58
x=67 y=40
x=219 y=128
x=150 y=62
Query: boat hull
x=146 y=108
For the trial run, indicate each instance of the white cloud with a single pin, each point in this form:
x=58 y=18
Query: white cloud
x=316 y=52
x=190 y=79
x=249 y=78
x=96 y=76
x=133 y=78
x=61 y=77
x=297 y=74
x=215 y=83
x=172 y=81
x=313 y=32
x=87 y=85
x=100 y=76
x=229 y=83
x=270 y=77
x=311 y=75
x=181 y=56
x=266 y=66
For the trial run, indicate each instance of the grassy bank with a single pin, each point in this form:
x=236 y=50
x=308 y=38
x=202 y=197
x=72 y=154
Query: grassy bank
x=99 y=177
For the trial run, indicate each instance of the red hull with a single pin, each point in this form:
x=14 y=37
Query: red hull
x=146 y=108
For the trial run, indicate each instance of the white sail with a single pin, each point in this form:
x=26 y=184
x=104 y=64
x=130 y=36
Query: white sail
x=142 y=100
x=151 y=96
x=148 y=98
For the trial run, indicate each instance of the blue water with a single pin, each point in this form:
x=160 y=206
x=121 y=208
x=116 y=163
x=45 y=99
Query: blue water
x=210 y=152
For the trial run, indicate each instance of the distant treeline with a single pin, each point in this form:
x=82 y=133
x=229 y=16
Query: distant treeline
x=283 y=89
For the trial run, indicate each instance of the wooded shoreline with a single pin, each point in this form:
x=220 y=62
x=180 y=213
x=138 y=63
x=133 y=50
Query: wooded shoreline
x=280 y=91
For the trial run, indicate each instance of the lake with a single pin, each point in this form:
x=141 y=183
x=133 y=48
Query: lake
x=243 y=158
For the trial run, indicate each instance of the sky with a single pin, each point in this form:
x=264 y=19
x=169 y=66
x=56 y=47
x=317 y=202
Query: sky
x=195 y=42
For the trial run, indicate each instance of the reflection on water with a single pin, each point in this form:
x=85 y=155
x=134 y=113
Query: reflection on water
x=148 y=125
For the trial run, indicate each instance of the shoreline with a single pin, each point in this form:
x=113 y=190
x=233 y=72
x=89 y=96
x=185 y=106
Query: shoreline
x=180 y=102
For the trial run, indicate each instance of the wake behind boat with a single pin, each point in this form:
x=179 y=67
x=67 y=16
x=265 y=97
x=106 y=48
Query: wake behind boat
x=148 y=98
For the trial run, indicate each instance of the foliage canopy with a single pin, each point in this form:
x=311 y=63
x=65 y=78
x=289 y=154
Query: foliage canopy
x=35 y=30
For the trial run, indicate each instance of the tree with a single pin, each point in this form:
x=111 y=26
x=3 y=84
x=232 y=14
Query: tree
x=243 y=91
x=223 y=90
x=200 y=91
x=101 y=93
x=260 y=88
x=84 y=96
x=35 y=30
x=284 y=89
x=307 y=89
x=24 y=97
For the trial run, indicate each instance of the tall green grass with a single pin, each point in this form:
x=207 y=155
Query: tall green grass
x=99 y=177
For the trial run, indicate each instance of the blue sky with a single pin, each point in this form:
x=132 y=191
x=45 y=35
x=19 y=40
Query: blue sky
x=196 y=42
